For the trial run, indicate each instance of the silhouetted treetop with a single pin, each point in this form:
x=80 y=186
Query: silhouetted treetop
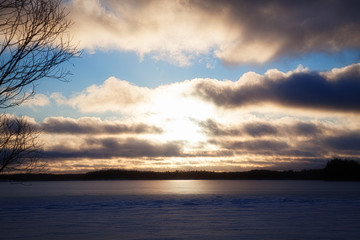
x=339 y=169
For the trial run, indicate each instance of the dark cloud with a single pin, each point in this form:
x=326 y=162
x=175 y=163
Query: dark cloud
x=344 y=143
x=294 y=140
x=291 y=27
x=260 y=129
x=279 y=148
x=112 y=147
x=306 y=129
x=94 y=126
x=214 y=128
x=301 y=90
x=216 y=153
x=256 y=129
x=313 y=90
x=257 y=145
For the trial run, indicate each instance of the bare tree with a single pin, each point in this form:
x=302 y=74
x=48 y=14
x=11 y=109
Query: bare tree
x=34 y=43
x=19 y=148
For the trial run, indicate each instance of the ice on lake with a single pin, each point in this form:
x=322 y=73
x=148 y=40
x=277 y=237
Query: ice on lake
x=177 y=209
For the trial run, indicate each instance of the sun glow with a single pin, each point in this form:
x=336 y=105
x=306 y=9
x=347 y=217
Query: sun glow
x=179 y=116
x=183 y=129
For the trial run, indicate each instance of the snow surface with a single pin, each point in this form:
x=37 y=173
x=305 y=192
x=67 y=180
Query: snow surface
x=180 y=210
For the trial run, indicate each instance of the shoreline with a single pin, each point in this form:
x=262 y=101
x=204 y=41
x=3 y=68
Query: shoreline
x=315 y=174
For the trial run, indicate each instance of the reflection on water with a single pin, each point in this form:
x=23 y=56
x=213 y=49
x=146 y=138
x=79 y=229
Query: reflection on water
x=181 y=187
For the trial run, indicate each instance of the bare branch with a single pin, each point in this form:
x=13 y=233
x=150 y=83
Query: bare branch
x=19 y=148
x=34 y=43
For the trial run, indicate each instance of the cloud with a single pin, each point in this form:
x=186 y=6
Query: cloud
x=107 y=148
x=258 y=129
x=307 y=129
x=38 y=100
x=212 y=128
x=278 y=138
x=276 y=28
x=168 y=30
x=257 y=146
x=113 y=95
x=91 y=125
x=333 y=91
x=345 y=142
x=119 y=96
x=303 y=89
x=234 y=31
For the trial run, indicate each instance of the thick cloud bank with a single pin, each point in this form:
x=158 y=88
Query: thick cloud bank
x=88 y=125
x=337 y=90
x=234 y=31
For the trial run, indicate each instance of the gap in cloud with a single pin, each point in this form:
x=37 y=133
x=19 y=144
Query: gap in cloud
x=317 y=61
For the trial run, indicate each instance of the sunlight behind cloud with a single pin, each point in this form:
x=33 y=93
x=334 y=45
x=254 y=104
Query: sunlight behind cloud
x=276 y=119
x=177 y=111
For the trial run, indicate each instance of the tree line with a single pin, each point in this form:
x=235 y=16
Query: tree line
x=336 y=169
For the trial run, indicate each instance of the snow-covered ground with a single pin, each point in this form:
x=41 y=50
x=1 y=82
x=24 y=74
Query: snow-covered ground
x=180 y=210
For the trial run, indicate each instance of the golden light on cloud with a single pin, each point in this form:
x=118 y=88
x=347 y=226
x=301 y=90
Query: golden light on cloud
x=253 y=52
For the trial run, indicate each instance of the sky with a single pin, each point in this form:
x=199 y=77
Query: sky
x=203 y=85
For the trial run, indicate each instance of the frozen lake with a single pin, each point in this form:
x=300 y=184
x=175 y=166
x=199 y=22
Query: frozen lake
x=180 y=209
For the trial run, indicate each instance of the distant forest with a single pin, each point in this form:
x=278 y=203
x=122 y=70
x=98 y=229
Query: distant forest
x=335 y=170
